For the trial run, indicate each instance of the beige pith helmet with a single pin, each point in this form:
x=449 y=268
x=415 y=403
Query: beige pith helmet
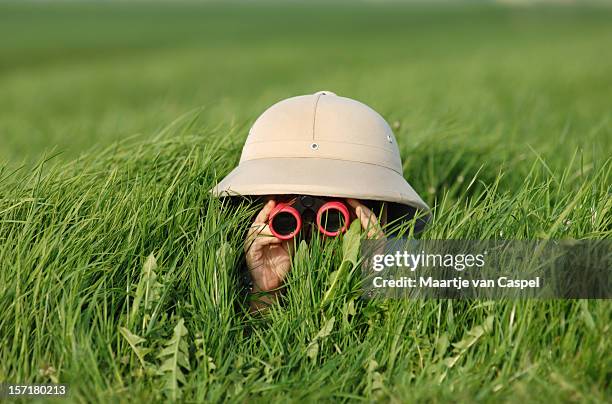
x=322 y=145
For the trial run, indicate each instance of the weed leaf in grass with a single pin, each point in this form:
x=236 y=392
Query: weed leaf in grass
x=313 y=348
x=442 y=345
x=202 y=357
x=148 y=292
x=301 y=254
x=326 y=329
x=473 y=336
x=176 y=358
x=351 y=243
x=350 y=253
x=375 y=380
x=135 y=341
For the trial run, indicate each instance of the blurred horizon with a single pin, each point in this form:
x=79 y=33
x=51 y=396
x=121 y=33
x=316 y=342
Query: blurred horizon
x=81 y=74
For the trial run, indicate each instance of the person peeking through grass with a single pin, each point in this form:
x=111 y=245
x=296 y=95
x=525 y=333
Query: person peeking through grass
x=269 y=243
x=319 y=161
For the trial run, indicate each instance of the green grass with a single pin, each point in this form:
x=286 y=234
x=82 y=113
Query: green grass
x=113 y=252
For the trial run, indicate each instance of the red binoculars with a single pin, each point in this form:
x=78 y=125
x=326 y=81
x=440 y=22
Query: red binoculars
x=330 y=216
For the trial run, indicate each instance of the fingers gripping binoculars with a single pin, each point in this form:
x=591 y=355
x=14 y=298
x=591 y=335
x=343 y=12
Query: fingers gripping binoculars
x=330 y=216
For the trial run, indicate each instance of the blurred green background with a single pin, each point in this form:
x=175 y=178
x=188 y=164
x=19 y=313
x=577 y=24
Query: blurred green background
x=74 y=75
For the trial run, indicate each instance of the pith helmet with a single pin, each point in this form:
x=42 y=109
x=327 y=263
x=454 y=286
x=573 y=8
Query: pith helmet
x=323 y=145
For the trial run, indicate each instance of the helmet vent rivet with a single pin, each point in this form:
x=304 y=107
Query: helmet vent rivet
x=314 y=146
x=389 y=139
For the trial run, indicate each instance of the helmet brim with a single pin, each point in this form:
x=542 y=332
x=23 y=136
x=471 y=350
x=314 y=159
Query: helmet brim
x=320 y=177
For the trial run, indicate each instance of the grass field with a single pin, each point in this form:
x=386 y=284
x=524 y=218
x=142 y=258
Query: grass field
x=119 y=274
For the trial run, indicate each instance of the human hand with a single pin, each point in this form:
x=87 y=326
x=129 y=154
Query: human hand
x=369 y=221
x=268 y=258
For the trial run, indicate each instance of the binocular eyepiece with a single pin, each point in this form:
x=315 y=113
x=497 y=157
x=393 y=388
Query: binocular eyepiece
x=330 y=217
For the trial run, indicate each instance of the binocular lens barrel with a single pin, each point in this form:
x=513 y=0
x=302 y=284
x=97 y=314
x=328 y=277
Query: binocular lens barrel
x=284 y=223
x=333 y=218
